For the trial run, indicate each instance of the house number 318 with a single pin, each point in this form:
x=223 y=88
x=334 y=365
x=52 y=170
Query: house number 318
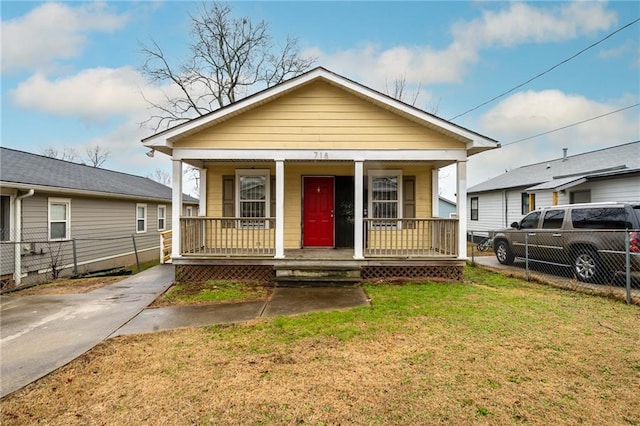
x=319 y=155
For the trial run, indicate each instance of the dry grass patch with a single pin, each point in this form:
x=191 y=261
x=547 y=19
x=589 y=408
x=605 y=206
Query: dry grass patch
x=490 y=351
x=76 y=285
x=67 y=286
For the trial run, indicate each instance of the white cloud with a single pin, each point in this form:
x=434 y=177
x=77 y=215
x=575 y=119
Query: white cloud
x=530 y=113
x=524 y=23
x=93 y=94
x=518 y=23
x=53 y=31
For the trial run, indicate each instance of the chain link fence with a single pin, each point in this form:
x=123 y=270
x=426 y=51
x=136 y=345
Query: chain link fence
x=595 y=260
x=41 y=260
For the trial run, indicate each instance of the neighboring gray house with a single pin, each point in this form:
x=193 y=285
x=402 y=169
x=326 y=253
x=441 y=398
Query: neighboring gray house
x=59 y=218
x=446 y=207
x=610 y=174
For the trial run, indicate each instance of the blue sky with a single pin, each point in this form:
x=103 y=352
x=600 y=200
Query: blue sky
x=70 y=69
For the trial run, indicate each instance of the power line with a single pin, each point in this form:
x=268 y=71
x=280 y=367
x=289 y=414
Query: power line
x=571 y=125
x=548 y=70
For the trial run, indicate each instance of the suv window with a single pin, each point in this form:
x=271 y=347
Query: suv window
x=530 y=221
x=553 y=219
x=600 y=218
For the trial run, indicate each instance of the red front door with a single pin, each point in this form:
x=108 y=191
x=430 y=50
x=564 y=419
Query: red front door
x=318 y=211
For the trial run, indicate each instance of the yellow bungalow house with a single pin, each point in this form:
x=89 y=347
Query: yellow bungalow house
x=319 y=176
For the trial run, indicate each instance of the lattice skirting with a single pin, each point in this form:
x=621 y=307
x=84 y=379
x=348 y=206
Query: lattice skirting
x=196 y=273
x=438 y=272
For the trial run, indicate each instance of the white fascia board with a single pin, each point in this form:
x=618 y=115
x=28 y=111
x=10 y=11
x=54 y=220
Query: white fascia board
x=165 y=138
x=319 y=155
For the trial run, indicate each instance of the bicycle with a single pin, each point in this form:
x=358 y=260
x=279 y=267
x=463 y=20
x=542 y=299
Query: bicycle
x=485 y=245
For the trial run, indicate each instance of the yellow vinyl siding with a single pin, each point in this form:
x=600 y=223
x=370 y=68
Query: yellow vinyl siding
x=319 y=113
x=293 y=191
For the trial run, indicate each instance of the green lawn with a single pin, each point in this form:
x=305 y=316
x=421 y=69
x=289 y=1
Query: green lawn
x=491 y=350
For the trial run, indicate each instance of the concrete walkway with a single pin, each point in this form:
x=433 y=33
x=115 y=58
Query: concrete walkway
x=42 y=333
x=283 y=301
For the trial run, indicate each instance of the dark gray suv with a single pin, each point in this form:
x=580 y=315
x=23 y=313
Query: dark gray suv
x=589 y=238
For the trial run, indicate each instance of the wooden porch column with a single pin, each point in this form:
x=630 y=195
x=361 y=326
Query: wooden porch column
x=279 y=213
x=202 y=206
x=435 y=192
x=461 y=190
x=176 y=207
x=358 y=198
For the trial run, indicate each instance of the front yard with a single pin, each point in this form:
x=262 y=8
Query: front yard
x=492 y=350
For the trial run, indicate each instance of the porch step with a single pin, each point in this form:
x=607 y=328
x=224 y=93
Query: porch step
x=318 y=276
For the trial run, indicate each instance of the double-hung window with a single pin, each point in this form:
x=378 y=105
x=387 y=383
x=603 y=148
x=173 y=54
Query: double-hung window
x=385 y=196
x=141 y=218
x=474 y=208
x=252 y=198
x=162 y=218
x=59 y=218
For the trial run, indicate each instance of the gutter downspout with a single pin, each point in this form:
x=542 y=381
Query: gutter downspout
x=17 y=269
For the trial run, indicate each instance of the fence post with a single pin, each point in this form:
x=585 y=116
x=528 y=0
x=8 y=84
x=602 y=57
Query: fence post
x=75 y=257
x=526 y=255
x=473 y=252
x=627 y=255
x=135 y=250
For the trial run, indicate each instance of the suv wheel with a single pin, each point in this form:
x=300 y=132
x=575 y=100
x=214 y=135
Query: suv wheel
x=587 y=266
x=503 y=253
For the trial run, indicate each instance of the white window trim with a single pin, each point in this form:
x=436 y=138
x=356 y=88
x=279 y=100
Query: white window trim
x=397 y=173
x=67 y=202
x=146 y=214
x=255 y=172
x=163 y=217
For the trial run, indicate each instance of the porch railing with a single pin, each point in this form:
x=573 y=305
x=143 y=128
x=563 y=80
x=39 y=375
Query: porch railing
x=430 y=237
x=227 y=236
x=166 y=240
x=224 y=236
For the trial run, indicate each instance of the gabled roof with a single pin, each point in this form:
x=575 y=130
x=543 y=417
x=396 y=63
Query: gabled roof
x=23 y=170
x=563 y=173
x=475 y=142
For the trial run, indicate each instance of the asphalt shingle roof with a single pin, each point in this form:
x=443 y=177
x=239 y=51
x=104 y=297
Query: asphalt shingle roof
x=24 y=168
x=562 y=171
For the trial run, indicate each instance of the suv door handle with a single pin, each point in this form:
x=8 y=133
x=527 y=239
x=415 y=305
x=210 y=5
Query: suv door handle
x=532 y=234
x=557 y=235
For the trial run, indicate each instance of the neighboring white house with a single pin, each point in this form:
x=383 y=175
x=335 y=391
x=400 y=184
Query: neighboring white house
x=610 y=174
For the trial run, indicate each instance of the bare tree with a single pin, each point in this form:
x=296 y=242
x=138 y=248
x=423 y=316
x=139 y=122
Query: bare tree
x=66 y=154
x=400 y=91
x=161 y=176
x=229 y=58
x=96 y=156
x=193 y=174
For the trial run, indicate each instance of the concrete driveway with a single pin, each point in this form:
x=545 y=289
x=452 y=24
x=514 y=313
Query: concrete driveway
x=39 y=334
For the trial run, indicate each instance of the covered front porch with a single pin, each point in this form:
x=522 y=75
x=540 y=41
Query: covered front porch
x=328 y=220
x=254 y=207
